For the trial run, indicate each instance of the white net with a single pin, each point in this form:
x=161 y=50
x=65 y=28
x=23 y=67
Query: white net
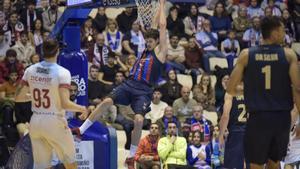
x=146 y=11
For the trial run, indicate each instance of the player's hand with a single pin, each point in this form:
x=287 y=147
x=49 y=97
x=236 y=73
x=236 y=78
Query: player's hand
x=84 y=113
x=221 y=141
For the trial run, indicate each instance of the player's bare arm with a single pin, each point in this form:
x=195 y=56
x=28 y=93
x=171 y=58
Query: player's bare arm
x=225 y=117
x=237 y=73
x=162 y=49
x=68 y=105
x=294 y=74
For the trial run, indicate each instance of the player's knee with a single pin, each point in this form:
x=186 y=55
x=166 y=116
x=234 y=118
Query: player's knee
x=138 y=121
x=108 y=100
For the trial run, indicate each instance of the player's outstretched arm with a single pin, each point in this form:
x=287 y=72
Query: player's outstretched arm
x=225 y=117
x=237 y=73
x=294 y=75
x=162 y=32
x=68 y=105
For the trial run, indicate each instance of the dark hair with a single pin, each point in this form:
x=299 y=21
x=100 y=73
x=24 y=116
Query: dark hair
x=269 y=24
x=172 y=9
x=24 y=32
x=74 y=84
x=152 y=33
x=224 y=13
x=157 y=89
x=94 y=67
x=11 y=52
x=42 y=27
x=50 y=48
x=31 y=2
x=173 y=34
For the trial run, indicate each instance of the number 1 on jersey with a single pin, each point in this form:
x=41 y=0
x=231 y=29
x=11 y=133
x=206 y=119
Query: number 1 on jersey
x=267 y=71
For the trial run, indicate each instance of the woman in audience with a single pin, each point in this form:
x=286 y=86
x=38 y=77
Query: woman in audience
x=87 y=34
x=289 y=25
x=241 y=23
x=171 y=89
x=175 y=24
x=220 y=21
x=204 y=93
x=199 y=154
x=220 y=89
x=129 y=62
x=36 y=36
x=113 y=37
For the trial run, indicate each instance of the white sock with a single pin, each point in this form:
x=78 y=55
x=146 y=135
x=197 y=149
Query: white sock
x=85 y=126
x=132 y=150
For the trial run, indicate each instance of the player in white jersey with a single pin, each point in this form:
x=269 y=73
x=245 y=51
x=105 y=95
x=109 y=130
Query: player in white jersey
x=48 y=84
x=292 y=159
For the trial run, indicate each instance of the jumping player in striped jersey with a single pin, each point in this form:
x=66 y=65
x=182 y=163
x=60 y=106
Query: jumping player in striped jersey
x=234 y=119
x=137 y=90
x=271 y=80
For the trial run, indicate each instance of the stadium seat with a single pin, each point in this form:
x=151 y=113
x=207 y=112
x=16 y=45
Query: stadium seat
x=221 y=62
x=185 y=80
x=212 y=116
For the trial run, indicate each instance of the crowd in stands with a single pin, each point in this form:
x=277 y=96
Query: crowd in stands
x=183 y=118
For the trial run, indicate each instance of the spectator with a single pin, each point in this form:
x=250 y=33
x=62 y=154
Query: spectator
x=208 y=40
x=100 y=20
x=295 y=7
x=4 y=44
x=198 y=154
x=289 y=25
x=183 y=106
x=194 y=22
x=275 y=10
x=254 y=9
x=100 y=53
x=204 y=93
x=231 y=48
x=129 y=62
x=87 y=34
x=36 y=36
x=174 y=24
x=175 y=55
x=125 y=19
x=29 y=15
x=168 y=117
x=6 y=7
x=172 y=148
x=193 y=59
x=35 y=58
x=171 y=89
x=73 y=94
x=13 y=28
x=7 y=108
x=113 y=37
x=220 y=89
x=95 y=87
x=146 y=154
x=157 y=107
x=10 y=63
x=199 y=122
x=220 y=21
x=108 y=72
x=241 y=23
x=268 y=12
x=24 y=49
x=119 y=78
x=252 y=36
x=51 y=15
x=133 y=41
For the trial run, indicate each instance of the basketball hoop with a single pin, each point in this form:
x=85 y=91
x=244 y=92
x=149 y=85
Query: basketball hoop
x=146 y=11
